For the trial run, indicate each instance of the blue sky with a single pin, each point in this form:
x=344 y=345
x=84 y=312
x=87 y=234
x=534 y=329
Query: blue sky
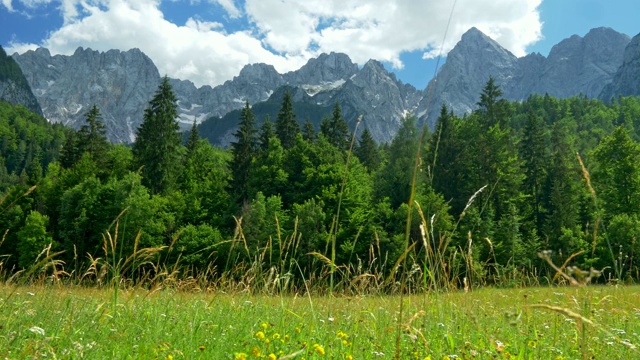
x=209 y=41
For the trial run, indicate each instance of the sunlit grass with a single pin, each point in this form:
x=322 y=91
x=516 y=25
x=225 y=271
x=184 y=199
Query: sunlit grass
x=72 y=322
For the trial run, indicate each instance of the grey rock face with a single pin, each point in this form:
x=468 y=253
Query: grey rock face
x=325 y=69
x=582 y=65
x=467 y=69
x=626 y=81
x=14 y=88
x=380 y=98
x=575 y=66
x=119 y=83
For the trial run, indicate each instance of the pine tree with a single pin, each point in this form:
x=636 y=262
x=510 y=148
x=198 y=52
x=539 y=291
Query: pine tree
x=92 y=136
x=194 y=138
x=336 y=129
x=157 y=145
x=243 y=151
x=367 y=151
x=492 y=107
x=535 y=159
x=562 y=186
x=309 y=131
x=617 y=178
x=266 y=132
x=443 y=157
x=286 y=126
x=398 y=173
x=70 y=154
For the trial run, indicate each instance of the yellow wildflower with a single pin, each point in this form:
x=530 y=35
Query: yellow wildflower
x=255 y=352
x=272 y=357
x=241 y=356
x=348 y=357
x=319 y=349
x=276 y=336
x=264 y=326
x=260 y=335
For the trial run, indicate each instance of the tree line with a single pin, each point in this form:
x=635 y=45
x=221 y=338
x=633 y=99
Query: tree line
x=501 y=184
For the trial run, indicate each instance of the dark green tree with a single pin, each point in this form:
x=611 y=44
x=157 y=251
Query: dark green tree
x=92 y=136
x=309 y=131
x=243 y=150
x=491 y=106
x=336 y=129
x=396 y=178
x=617 y=177
x=194 y=139
x=70 y=154
x=286 y=125
x=533 y=152
x=267 y=131
x=157 y=146
x=367 y=151
x=443 y=160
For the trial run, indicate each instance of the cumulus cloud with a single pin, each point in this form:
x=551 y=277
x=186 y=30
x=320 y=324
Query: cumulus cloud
x=284 y=33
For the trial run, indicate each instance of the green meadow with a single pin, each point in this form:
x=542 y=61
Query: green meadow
x=68 y=322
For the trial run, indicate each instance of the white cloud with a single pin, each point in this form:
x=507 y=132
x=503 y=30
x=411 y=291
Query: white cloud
x=230 y=7
x=284 y=33
x=7 y=4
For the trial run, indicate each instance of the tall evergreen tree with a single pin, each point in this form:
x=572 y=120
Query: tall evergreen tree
x=367 y=151
x=70 y=154
x=533 y=152
x=443 y=159
x=243 y=151
x=92 y=136
x=617 y=178
x=309 y=131
x=157 y=145
x=267 y=131
x=194 y=138
x=286 y=125
x=562 y=187
x=336 y=129
x=491 y=106
x=398 y=174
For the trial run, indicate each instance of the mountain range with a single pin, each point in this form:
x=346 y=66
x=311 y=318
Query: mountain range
x=602 y=64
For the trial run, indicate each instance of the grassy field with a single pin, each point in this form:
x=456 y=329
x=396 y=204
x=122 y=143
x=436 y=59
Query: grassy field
x=534 y=323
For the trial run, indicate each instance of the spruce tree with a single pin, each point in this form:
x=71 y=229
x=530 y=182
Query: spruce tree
x=92 y=136
x=157 y=146
x=444 y=160
x=266 y=132
x=70 y=154
x=194 y=138
x=533 y=152
x=286 y=126
x=243 y=151
x=367 y=151
x=336 y=130
x=491 y=106
x=309 y=131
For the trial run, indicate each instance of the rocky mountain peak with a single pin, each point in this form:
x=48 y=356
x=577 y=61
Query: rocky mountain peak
x=625 y=81
x=582 y=65
x=326 y=68
x=14 y=87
